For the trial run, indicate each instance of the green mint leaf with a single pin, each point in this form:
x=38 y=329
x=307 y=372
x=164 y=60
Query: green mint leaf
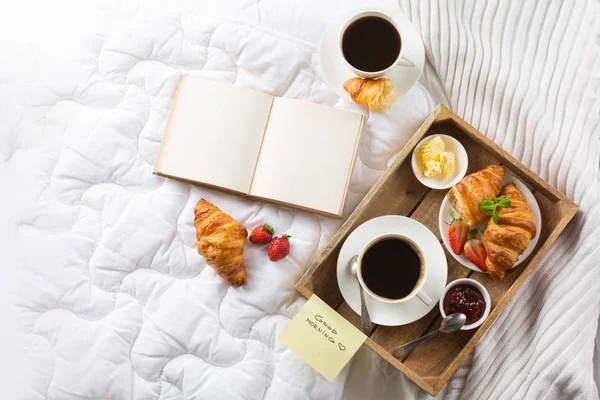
x=486 y=204
x=487 y=208
x=504 y=202
x=495 y=217
x=451 y=212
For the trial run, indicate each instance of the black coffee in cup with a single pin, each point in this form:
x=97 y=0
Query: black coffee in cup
x=371 y=44
x=392 y=268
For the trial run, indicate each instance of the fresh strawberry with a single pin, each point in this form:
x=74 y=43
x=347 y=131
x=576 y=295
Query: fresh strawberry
x=262 y=234
x=457 y=233
x=475 y=250
x=279 y=248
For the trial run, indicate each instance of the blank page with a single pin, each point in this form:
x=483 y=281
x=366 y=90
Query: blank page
x=214 y=134
x=307 y=155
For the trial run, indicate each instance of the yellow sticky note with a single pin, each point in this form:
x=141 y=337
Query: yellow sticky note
x=322 y=338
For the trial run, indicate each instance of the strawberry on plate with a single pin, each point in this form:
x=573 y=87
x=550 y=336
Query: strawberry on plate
x=262 y=234
x=279 y=248
x=475 y=250
x=457 y=233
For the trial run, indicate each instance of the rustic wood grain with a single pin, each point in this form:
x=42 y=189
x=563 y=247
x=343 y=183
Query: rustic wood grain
x=398 y=192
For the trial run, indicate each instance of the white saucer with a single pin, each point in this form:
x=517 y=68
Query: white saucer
x=336 y=72
x=391 y=314
x=444 y=218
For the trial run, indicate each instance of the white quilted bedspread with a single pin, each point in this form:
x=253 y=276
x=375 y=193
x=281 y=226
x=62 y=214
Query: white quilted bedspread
x=111 y=296
x=114 y=299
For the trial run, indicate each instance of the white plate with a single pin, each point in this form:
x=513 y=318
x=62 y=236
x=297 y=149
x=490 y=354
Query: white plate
x=439 y=182
x=392 y=314
x=336 y=72
x=531 y=202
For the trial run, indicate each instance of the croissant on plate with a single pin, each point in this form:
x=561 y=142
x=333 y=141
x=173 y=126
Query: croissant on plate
x=467 y=195
x=221 y=241
x=508 y=239
x=375 y=94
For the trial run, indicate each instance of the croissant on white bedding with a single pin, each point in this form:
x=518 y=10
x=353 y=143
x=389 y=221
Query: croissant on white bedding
x=221 y=241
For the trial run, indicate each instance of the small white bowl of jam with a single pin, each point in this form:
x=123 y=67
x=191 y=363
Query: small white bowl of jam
x=469 y=297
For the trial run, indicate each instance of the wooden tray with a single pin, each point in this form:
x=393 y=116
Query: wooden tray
x=399 y=192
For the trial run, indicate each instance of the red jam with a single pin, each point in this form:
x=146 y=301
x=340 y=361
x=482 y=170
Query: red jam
x=465 y=299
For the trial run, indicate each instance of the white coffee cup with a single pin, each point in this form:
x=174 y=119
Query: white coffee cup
x=417 y=291
x=400 y=60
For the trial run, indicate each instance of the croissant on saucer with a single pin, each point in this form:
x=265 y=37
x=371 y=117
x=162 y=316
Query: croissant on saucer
x=467 y=195
x=375 y=94
x=221 y=241
x=508 y=239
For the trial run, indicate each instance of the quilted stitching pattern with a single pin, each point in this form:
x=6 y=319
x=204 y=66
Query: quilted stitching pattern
x=115 y=299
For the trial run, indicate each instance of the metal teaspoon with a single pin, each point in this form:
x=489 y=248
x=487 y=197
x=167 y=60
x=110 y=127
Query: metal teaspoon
x=451 y=323
x=365 y=321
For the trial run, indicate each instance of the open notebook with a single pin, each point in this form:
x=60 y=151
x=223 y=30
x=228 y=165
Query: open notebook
x=276 y=149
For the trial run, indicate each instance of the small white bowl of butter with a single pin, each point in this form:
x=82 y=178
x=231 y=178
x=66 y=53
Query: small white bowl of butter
x=439 y=161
